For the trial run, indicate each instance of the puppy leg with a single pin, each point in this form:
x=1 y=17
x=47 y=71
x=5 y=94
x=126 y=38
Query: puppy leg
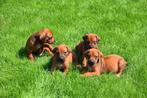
x=65 y=69
x=75 y=60
x=121 y=67
x=50 y=47
x=48 y=50
x=30 y=56
x=91 y=74
x=96 y=72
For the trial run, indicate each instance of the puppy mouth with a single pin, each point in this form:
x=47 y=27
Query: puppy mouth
x=61 y=59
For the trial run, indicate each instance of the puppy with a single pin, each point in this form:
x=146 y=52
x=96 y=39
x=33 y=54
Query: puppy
x=96 y=63
x=89 y=41
x=39 y=42
x=62 y=58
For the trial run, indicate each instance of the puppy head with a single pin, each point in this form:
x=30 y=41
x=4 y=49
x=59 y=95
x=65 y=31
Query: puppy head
x=46 y=36
x=92 y=56
x=91 y=40
x=61 y=52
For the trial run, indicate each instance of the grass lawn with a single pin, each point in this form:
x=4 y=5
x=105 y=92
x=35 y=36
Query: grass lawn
x=121 y=24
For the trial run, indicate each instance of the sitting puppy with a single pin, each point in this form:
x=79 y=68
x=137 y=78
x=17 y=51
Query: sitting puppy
x=39 y=42
x=96 y=63
x=62 y=58
x=89 y=41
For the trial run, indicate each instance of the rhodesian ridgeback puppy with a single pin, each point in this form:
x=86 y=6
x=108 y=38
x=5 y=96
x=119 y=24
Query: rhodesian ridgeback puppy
x=62 y=58
x=39 y=42
x=89 y=41
x=96 y=63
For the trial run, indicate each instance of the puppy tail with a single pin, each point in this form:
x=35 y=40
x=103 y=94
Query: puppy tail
x=121 y=66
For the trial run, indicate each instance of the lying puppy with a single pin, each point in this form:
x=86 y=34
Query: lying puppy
x=62 y=58
x=89 y=41
x=96 y=63
x=39 y=42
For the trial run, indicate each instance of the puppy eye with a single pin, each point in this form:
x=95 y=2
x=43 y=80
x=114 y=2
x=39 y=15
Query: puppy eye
x=65 y=52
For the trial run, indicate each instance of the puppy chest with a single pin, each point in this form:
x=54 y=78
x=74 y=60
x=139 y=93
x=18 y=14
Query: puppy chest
x=60 y=66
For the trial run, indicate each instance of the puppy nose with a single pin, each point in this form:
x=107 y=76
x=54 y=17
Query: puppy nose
x=61 y=57
x=91 y=62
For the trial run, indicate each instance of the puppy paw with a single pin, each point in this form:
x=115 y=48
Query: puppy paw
x=117 y=75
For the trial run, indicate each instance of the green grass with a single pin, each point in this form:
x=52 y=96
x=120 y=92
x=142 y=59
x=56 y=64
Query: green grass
x=121 y=24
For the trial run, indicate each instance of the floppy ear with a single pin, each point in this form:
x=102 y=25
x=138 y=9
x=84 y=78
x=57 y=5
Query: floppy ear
x=101 y=54
x=98 y=38
x=55 y=50
x=68 y=49
x=85 y=37
x=101 y=61
x=84 y=60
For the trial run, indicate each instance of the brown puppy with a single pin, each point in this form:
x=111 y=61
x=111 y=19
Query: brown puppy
x=39 y=42
x=62 y=58
x=96 y=63
x=89 y=41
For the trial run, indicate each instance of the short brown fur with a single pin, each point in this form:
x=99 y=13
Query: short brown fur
x=36 y=43
x=62 y=58
x=96 y=63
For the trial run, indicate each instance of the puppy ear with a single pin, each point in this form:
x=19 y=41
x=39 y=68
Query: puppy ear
x=85 y=37
x=84 y=59
x=101 y=54
x=68 y=49
x=86 y=52
x=98 y=38
x=101 y=61
x=55 y=50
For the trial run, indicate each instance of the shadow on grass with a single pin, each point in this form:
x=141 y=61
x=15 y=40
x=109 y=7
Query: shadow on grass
x=47 y=66
x=22 y=53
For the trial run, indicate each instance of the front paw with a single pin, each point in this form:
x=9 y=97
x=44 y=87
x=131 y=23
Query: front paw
x=87 y=74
